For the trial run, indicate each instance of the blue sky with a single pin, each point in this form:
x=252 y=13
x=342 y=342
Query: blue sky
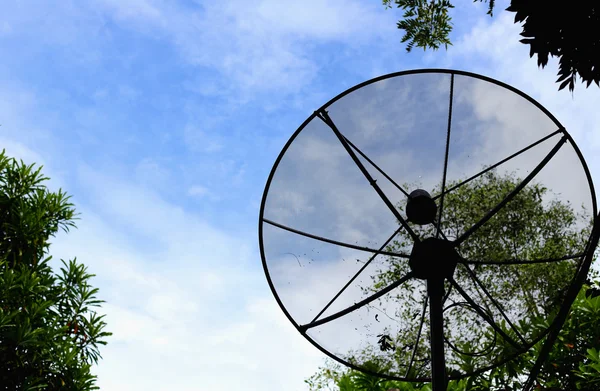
x=163 y=120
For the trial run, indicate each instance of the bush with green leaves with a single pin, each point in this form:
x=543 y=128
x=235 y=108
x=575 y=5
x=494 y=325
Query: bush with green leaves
x=49 y=329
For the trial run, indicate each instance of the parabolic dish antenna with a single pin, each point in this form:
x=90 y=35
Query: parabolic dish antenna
x=425 y=217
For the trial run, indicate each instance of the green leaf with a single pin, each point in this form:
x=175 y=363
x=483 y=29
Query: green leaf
x=35 y=304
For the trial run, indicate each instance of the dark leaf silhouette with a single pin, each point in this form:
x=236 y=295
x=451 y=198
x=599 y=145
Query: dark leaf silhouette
x=567 y=31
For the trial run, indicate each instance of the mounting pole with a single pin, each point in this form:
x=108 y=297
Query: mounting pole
x=435 y=290
x=434 y=260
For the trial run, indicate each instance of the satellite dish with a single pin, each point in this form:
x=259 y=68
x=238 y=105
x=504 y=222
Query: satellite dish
x=397 y=227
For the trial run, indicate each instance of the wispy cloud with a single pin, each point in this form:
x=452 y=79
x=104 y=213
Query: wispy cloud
x=198 y=191
x=191 y=306
x=492 y=48
x=164 y=118
x=264 y=46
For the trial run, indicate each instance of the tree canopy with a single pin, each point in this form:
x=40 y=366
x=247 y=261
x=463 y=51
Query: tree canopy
x=534 y=225
x=49 y=330
x=573 y=363
x=568 y=31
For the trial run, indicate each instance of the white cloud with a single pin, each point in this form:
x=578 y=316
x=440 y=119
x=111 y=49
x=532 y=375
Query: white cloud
x=190 y=311
x=494 y=43
x=263 y=46
x=203 y=193
x=19 y=151
x=198 y=191
x=143 y=10
x=201 y=141
x=187 y=302
x=152 y=173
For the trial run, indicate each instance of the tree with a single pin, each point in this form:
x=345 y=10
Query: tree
x=49 y=332
x=533 y=225
x=564 y=30
x=573 y=364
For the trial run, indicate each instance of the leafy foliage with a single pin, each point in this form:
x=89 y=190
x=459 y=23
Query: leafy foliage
x=567 y=31
x=533 y=226
x=573 y=363
x=558 y=29
x=49 y=332
x=527 y=228
x=425 y=23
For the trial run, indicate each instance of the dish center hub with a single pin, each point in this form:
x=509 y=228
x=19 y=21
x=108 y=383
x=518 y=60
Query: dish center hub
x=433 y=258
